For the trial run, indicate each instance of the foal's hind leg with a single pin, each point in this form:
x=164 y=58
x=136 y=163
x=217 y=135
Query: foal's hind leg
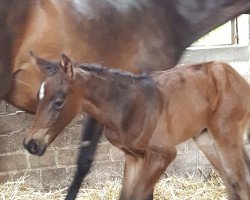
x=90 y=137
x=206 y=144
x=229 y=142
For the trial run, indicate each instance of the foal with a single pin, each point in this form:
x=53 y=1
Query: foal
x=146 y=116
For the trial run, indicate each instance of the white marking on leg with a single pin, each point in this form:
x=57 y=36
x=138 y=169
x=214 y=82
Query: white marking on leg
x=41 y=92
x=85 y=143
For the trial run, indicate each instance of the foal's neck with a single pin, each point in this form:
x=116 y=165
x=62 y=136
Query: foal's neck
x=102 y=97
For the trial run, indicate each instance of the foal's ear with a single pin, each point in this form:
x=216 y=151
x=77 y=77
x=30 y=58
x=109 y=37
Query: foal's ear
x=44 y=65
x=66 y=66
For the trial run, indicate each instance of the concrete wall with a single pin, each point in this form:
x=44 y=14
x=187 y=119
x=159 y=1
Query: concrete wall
x=56 y=167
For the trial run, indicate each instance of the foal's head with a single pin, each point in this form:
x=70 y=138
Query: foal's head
x=58 y=104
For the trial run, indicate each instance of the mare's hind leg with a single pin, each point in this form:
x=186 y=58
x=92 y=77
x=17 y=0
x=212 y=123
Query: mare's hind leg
x=141 y=176
x=228 y=138
x=90 y=137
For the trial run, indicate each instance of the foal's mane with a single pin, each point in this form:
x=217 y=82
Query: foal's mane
x=119 y=76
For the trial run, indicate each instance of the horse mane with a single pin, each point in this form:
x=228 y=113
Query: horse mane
x=119 y=76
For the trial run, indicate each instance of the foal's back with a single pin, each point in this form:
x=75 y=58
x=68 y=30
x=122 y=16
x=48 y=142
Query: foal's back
x=211 y=80
x=194 y=95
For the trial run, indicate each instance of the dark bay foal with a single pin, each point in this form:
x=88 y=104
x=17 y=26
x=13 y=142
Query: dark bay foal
x=146 y=116
x=135 y=35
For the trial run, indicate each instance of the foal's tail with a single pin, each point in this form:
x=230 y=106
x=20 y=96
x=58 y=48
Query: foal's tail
x=247 y=136
x=247 y=131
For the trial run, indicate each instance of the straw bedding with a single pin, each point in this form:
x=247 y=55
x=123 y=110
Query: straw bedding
x=172 y=188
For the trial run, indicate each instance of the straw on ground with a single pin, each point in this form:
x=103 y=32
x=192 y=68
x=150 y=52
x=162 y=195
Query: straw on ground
x=173 y=188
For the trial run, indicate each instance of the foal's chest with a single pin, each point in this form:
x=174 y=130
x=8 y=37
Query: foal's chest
x=126 y=146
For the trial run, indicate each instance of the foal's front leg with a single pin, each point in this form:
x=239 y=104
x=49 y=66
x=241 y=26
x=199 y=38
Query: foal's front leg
x=132 y=170
x=146 y=173
x=153 y=167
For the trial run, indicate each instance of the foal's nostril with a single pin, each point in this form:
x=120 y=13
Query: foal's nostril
x=32 y=147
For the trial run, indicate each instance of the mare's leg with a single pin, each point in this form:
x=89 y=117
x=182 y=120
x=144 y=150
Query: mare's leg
x=145 y=175
x=5 y=80
x=90 y=137
x=5 y=60
x=229 y=143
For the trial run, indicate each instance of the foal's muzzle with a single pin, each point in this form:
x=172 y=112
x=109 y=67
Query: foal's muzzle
x=33 y=148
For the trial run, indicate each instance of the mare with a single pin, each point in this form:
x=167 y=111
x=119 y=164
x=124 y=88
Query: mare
x=147 y=115
x=136 y=35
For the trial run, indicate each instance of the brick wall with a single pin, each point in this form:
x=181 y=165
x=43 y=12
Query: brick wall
x=56 y=167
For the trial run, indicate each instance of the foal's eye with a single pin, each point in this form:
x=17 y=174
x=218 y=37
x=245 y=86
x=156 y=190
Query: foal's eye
x=59 y=104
